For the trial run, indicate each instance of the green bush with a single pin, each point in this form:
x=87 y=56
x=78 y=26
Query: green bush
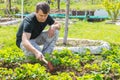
x=113 y=8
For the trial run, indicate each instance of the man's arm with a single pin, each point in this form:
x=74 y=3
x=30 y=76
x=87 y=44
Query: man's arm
x=25 y=41
x=55 y=26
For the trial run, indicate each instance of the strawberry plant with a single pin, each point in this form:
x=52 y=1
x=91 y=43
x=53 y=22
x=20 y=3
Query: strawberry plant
x=92 y=67
x=98 y=77
x=6 y=74
x=63 y=76
x=11 y=54
x=105 y=67
x=87 y=57
x=25 y=72
x=65 y=58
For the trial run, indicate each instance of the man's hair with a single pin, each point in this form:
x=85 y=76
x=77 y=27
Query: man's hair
x=43 y=6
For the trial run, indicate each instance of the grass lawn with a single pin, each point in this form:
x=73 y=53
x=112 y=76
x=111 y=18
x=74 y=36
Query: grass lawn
x=95 y=31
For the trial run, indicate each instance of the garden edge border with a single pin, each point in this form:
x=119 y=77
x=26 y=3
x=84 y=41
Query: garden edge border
x=83 y=49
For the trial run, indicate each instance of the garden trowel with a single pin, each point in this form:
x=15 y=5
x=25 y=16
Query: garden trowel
x=49 y=64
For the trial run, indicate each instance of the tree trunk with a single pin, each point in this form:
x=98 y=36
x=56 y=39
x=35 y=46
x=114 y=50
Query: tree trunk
x=66 y=22
x=58 y=1
x=9 y=5
x=92 y=2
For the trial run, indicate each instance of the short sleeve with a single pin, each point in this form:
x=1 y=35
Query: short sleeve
x=27 y=27
x=50 y=20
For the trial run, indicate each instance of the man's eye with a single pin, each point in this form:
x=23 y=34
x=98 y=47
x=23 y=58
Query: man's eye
x=42 y=15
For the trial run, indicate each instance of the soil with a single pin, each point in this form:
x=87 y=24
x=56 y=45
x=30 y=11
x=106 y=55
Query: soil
x=59 y=69
x=61 y=11
x=63 y=69
x=76 y=43
x=6 y=19
x=10 y=65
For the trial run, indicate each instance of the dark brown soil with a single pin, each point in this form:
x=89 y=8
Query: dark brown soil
x=10 y=65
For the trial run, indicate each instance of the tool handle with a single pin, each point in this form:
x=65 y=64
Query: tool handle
x=44 y=60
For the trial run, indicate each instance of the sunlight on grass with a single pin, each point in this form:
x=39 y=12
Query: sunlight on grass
x=96 y=31
x=8 y=35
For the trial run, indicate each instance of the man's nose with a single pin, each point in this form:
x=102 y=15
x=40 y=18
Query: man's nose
x=43 y=17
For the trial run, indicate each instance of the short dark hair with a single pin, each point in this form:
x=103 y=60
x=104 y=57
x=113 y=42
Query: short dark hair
x=43 y=6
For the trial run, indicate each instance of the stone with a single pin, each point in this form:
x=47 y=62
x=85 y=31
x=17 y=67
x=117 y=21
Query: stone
x=94 y=49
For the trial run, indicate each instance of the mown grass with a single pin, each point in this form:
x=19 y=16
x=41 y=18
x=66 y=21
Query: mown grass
x=95 y=31
x=8 y=35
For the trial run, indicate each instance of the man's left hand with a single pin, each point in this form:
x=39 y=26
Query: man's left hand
x=52 y=29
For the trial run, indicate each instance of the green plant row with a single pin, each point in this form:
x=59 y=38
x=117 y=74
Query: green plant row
x=70 y=66
x=11 y=55
x=37 y=72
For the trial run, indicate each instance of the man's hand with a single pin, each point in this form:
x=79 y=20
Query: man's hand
x=55 y=26
x=39 y=56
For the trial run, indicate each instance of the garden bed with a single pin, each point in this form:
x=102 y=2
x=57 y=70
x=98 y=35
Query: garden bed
x=82 y=45
x=8 y=21
x=68 y=66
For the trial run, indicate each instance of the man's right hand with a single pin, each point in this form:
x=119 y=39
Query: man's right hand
x=25 y=40
x=39 y=56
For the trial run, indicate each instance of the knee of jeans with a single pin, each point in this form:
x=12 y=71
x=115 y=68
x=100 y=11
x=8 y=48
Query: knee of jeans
x=56 y=32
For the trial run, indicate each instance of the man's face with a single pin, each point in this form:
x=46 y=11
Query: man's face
x=41 y=17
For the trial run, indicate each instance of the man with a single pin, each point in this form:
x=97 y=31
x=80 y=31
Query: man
x=30 y=34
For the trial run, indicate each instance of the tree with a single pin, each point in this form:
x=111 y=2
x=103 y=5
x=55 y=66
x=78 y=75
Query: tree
x=58 y=2
x=66 y=22
x=8 y=7
x=113 y=8
x=92 y=1
x=8 y=4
